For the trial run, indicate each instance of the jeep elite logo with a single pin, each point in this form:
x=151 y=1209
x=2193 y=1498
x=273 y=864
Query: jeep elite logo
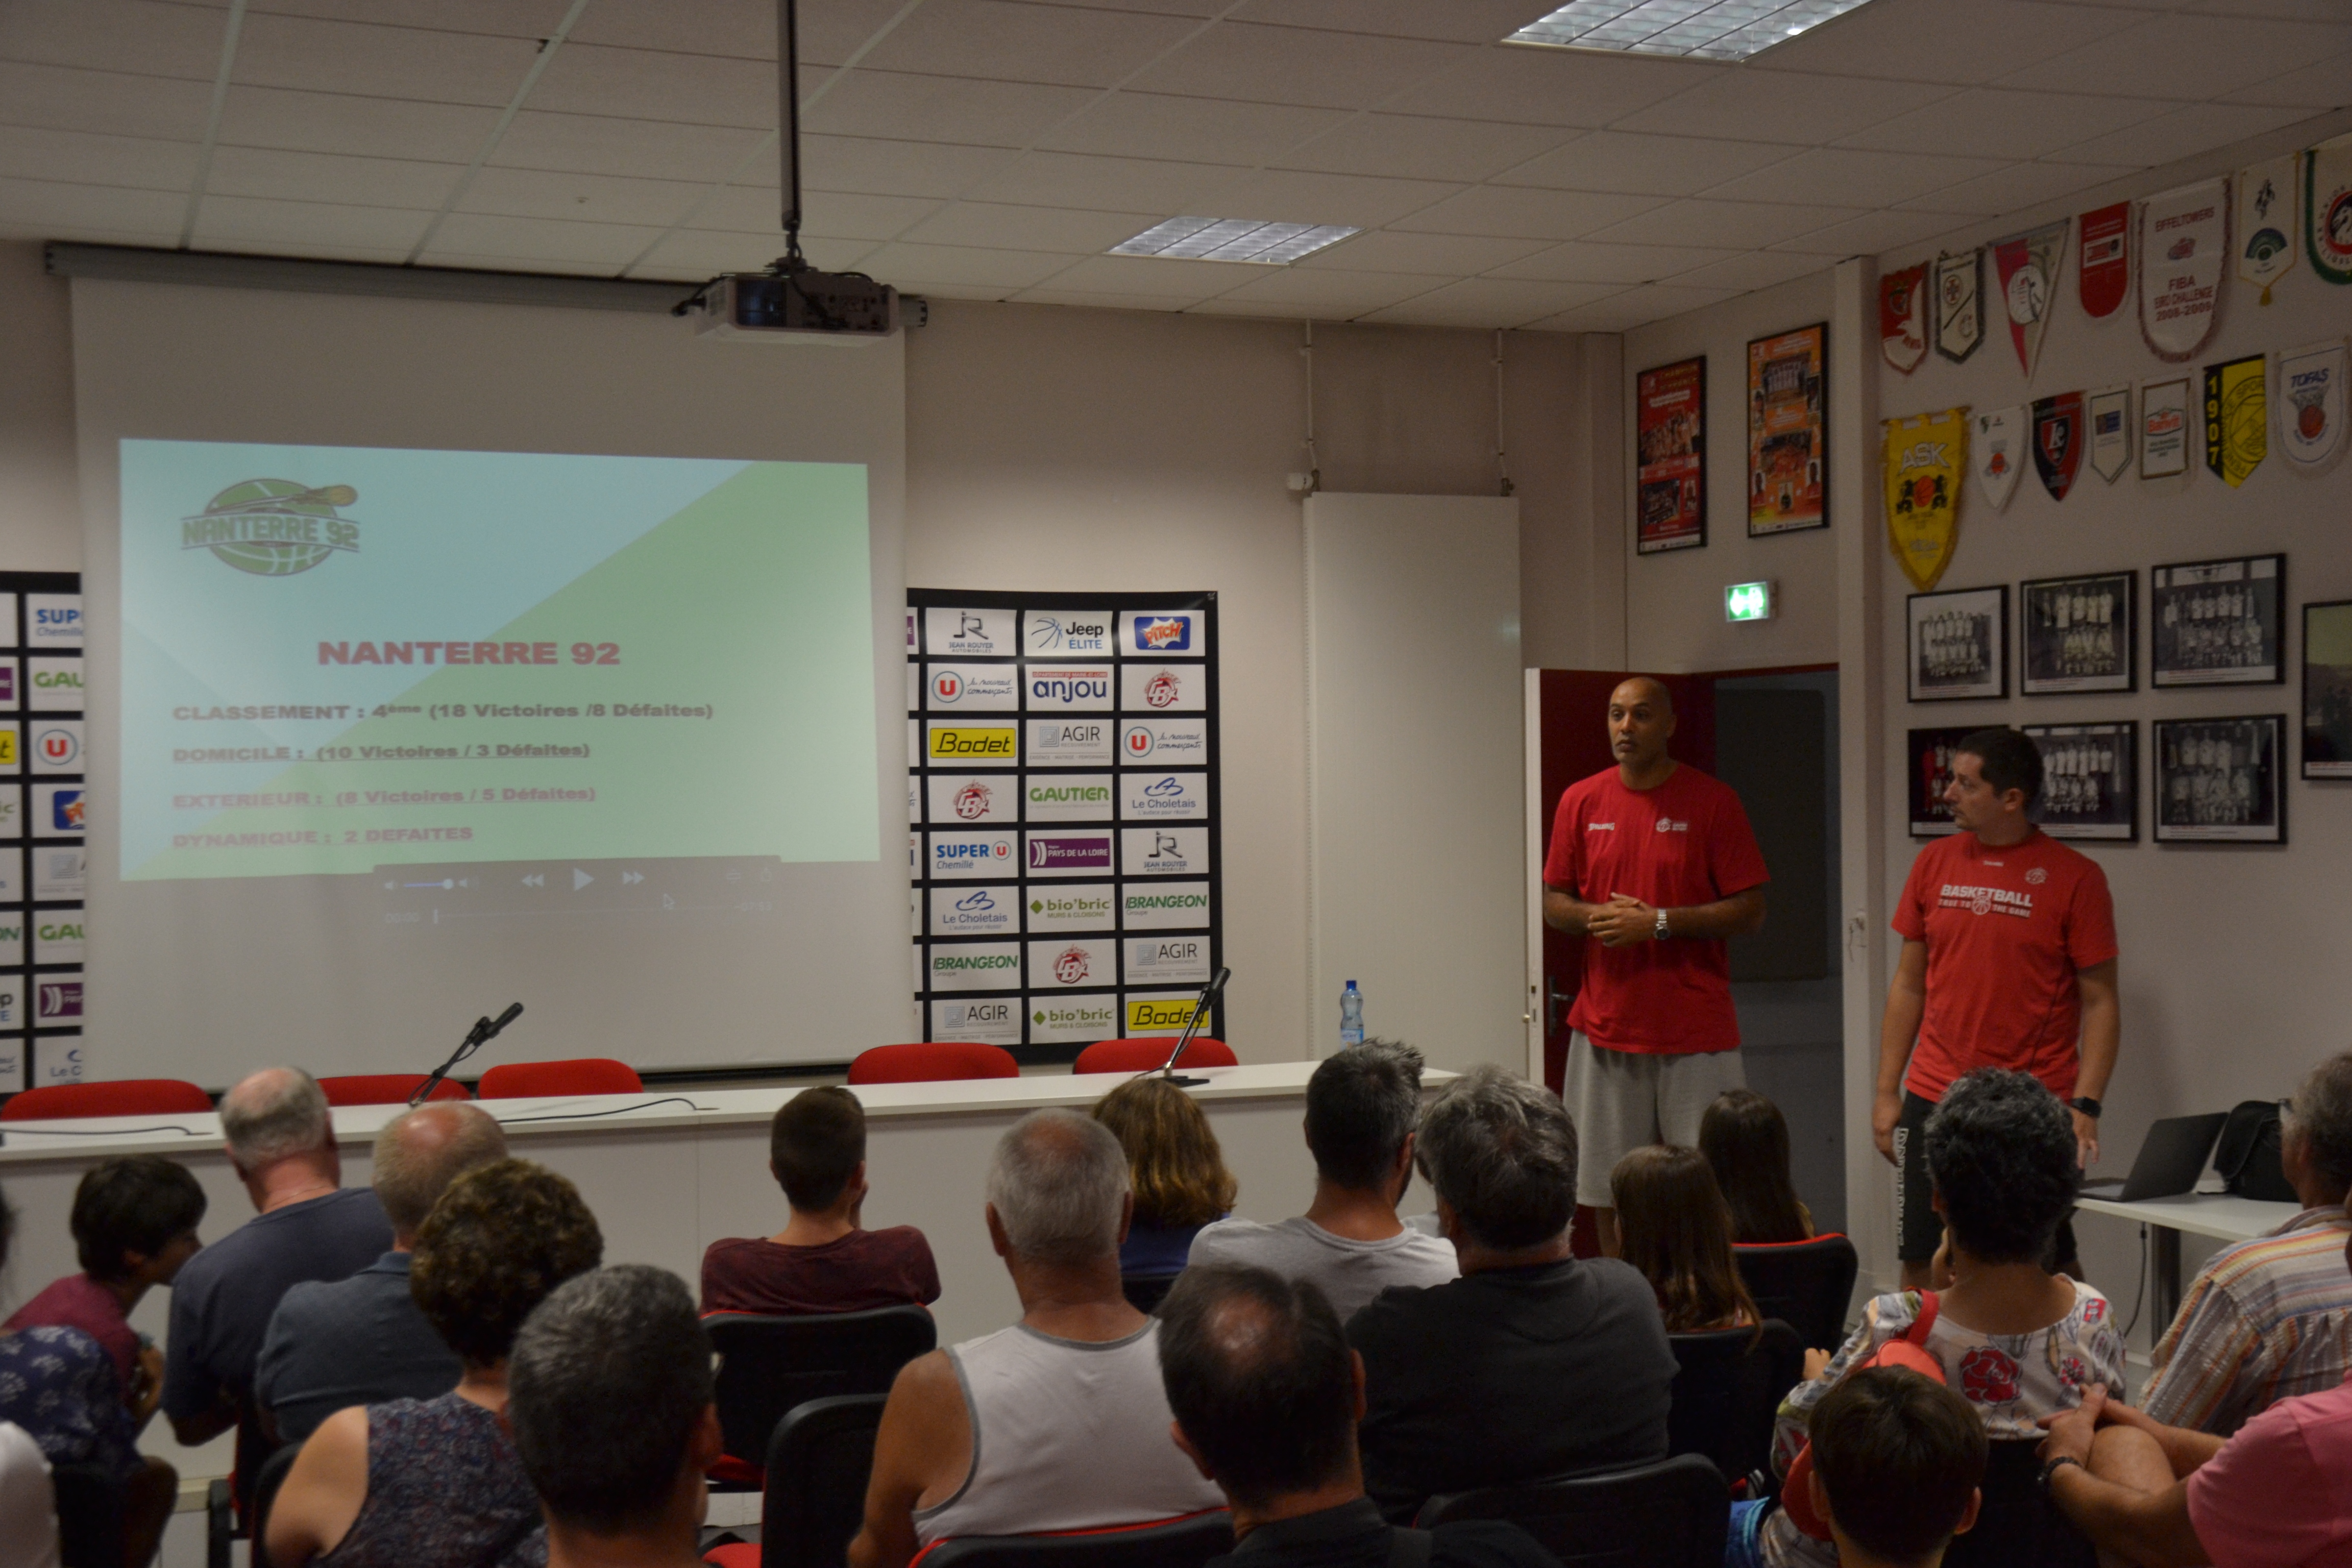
x=273 y=528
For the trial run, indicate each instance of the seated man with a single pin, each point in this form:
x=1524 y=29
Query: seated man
x=2270 y=1319
x=825 y=1261
x=1059 y=1422
x=363 y=1340
x=1361 y=1105
x=1266 y=1395
x=609 y=1399
x=1534 y=1364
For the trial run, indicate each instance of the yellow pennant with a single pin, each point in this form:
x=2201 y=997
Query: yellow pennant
x=2237 y=417
x=1921 y=463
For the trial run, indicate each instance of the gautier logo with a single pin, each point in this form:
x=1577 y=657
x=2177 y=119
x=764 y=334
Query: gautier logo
x=961 y=740
x=273 y=528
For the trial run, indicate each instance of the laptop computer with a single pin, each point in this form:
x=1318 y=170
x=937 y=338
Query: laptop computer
x=2171 y=1158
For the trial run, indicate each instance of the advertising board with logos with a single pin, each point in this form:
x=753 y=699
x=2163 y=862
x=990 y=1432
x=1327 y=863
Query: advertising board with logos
x=43 y=929
x=1064 y=824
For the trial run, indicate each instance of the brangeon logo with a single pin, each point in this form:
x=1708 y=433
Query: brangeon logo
x=274 y=527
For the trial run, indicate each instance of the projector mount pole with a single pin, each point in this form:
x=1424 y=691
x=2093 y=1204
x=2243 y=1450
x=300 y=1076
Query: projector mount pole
x=788 y=121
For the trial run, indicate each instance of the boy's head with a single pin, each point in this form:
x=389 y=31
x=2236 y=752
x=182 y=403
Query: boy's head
x=1897 y=1458
x=135 y=1218
x=815 y=1145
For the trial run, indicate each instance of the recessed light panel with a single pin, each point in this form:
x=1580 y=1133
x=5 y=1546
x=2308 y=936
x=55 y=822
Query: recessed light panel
x=1233 y=240
x=1695 y=30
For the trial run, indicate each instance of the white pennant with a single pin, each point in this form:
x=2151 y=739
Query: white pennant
x=2307 y=400
x=2109 y=413
x=1997 y=449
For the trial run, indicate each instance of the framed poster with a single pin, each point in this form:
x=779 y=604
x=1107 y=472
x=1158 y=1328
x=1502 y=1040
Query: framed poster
x=2090 y=781
x=2218 y=781
x=2327 y=690
x=1926 y=772
x=2076 y=634
x=2217 y=623
x=2164 y=428
x=1958 y=644
x=1788 y=431
x=1670 y=456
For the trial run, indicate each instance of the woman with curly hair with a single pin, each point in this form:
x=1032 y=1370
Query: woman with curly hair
x=435 y=1483
x=1181 y=1179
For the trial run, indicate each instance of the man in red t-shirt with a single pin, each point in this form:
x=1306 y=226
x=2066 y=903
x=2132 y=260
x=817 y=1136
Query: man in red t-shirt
x=1655 y=863
x=2009 y=960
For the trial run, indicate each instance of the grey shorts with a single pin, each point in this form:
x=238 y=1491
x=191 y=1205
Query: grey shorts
x=1621 y=1100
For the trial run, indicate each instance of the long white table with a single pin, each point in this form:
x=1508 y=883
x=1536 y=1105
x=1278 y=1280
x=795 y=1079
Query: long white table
x=2217 y=1214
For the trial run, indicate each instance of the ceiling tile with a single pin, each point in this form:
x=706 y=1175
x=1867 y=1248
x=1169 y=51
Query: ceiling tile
x=942 y=108
x=1635 y=308
x=573 y=198
x=1358 y=200
x=1697 y=222
x=2289 y=10
x=1871 y=234
x=1165 y=304
x=1331 y=294
x=365 y=127
x=699 y=253
x=601 y=245
x=1552 y=87
x=644 y=84
x=1521 y=214
x=2328 y=85
x=911 y=266
x=1004 y=226
x=1015 y=42
x=30 y=153
x=1993 y=122
x=1297 y=65
x=1642 y=165
x=1443 y=257
x=1167 y=8
x=1583 y=262
x=61 y=211
x=103 y=102
x=1845 y=178
x=141 y=36
x=734 y=29
x=897 y=168
x=1145 y=125
x=1150 y=275
x=526 y=261
x=329 y=177
x=647 y=149
x=2184 y=133
x=297 y=225
x=1416 y=147
x=840 y=216
x=508 y=18
x=2017 y=187
x=2185 y=57
x=1461 y=21
x=1781 y=106
x=1946 y=40
x=381 y=62
x=1490 y=303
x=1117 y=185
x=1757 y=269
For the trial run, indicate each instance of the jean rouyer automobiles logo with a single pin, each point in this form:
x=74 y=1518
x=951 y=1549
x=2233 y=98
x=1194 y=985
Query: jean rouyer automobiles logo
x=273 y=528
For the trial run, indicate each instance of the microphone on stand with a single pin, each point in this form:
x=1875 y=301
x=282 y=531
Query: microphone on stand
x=484 y=1031
x=1200 y=1011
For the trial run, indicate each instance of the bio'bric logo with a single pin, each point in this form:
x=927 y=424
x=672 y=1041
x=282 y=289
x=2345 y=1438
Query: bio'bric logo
x=273 y=528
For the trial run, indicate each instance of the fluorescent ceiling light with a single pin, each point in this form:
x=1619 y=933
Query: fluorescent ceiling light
x=1233 y=239
x=1696 y=29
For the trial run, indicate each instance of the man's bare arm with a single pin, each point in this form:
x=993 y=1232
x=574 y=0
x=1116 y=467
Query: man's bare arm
x=1906 y=1004
x=1624 y=919
x=923 y=1444
x=1562 y=912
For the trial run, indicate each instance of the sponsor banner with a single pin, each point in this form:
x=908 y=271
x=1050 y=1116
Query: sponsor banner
x=1159 y=1015
x=1063 y=965
x=2266 y=196
x=7 y=620
x=12 y=875
x=1162 y=688
x=1089 y=906
x=1164 y=906
x=2028 y=265
x=1067 y=797
x=914 y=686
x=2058 y=441
x=1070 y=854
x=971 y=853
x=1067 y=689
x=976 y=911
x=992 y=1022
x=914 y=742
x=2110 y=417
x=57 y=935
x=958 y=797
x=1066 y=741
x=2309 y=400
x=59 y=1001
x=2237 y=418
x=1788 y=431
x=1166 y=960
x=11 y=750
x=60 y=873
x=1165 y=851
x=914 y=800
x=2327 y=209
x=1054 y=1019
x=12 y=1002
x=962 y=634
x=1960 y=304
x=973 y=688
x=1903 y=316
x=12 y=1062
x=1163 y=634
x=1921 y=460
x=12 y=809
x=914 y=639
x=52 y=620
x=2184 y=249
x=61 y=1059
x=1670 y=472
x=8 y=688
x=1164 y=797
x=53 y=745
x=12 y=936
x=2103 y=263
x=57 y=810
x=1068 y=631
x=1997 y=443
x=975 y=966
x=1156 y=742
x=2163 y=428
x=965 y=742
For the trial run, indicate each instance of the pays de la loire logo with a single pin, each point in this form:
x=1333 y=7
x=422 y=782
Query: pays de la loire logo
x=274 y=527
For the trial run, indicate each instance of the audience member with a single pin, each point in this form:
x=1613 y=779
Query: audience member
x=28 y=1513
x=611 y=1409
x=408 y=1483
x=1671 y=1224
x=825 y=1261
x=134 y=1225
x=1266 y=1395
x=1746 y=1140
x=2019 y=1342
x=1181 y=1182
x=1059 y=1422
x=361 y=1340
x=1361 y=1105
x=1534 y=1364
x=2270 y=1319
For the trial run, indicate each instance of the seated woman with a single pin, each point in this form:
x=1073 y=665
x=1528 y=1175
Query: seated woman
x=1746 y=1141
x=2018 y=1343
x=1671 y=1225
x=1181 y=1179
x=435 y=1483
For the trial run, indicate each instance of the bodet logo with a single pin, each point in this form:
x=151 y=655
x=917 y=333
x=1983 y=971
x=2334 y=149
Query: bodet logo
x=273 y=528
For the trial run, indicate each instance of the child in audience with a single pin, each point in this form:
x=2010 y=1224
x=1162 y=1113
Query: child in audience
x=1897 y=1462
x=1671 y=1224
x=1746 y=1141
x=1181 y=1179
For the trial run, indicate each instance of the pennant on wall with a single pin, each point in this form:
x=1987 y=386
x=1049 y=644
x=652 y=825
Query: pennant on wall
x=1960 y=304
x=1998 y=437
x=2058 y=441
x=2103 y=260
x=2266 y=198
x=2028 y=267
x=2164 y=428
x=1903 y=316
x=2109 y=413
x=2310 y=400
x=2327 y=209
x=2184 y=235
x=2237 y=418
x=1921 y=463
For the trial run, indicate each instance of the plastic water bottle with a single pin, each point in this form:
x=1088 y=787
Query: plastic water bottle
x=1351 y=1017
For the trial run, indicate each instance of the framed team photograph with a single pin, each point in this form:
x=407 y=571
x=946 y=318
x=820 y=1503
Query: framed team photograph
x=1670 y=456
x=2090 y=781
x=2218 y=622
x=1788 y=431
x=2218 y=781
x=1959 y=644
x=2077 y=633
x=2327 y=690
x=1927 y=769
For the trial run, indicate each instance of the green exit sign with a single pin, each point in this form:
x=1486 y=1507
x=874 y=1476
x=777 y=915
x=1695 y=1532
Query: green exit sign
x=1747 y=602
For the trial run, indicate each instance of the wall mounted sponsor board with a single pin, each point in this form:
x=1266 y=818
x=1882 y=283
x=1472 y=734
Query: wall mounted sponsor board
x=42 y=826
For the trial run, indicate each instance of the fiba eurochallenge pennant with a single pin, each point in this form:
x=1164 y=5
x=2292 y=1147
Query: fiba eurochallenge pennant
x=2109 y=412
x=2266 y=198
x=1903 y=316
x=1960 y=304
x=2103 y=259
x=2327 y=209
x=2310 y=400
x=2237 y=417
x=1998 y=435
x=1921 y=463
x=2058 y=441
x=2026 y=265
x=2184 y=239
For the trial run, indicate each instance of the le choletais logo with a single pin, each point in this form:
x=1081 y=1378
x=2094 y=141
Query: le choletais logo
x=273 y=528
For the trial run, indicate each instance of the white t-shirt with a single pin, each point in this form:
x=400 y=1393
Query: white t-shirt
x=1349 y=1272
x=28 y=1512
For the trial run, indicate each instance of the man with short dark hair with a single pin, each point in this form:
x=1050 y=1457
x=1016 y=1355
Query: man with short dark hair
x=825 y=1261
x=1534 y=1364
x=1266 y=1396
x=1898 y=1460
x=1361 y=1105
x=134 y=1228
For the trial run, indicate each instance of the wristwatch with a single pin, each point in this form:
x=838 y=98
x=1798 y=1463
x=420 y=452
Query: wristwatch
x=2087 y=1105
x=1660 y=929
x=2054 y=1466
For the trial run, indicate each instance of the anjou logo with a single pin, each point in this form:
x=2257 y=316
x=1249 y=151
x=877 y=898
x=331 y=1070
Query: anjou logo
x=273 y=528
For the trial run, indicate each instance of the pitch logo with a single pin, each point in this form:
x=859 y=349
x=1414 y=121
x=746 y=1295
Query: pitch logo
x=274 y=527
x=1164 y=634
x=66 y=812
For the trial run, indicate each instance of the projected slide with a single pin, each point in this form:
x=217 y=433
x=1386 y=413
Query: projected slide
x=338 y=658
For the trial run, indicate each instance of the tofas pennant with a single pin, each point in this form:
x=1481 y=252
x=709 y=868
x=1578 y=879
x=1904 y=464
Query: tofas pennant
x=2266 y=206
x=2103 y=263
x=1960 y=304
x=1903 y=316
x=1920 y=463
x=2184 y=237
x=2310 y=399
x=2327 y=209
x=2027 y=268
x=2237 y=417
x=1997 y=438
x=2058 y=441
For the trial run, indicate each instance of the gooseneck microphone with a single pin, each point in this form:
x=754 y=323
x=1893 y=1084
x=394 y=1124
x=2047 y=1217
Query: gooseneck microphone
x=1200 y=1011
x=484 y=1031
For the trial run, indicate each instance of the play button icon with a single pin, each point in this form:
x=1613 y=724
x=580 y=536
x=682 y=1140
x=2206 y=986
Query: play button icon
x=579 y=879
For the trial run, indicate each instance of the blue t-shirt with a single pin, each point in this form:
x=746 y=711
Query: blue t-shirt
x=58 y=1384
x=1155 y=1248
x=361 y=1341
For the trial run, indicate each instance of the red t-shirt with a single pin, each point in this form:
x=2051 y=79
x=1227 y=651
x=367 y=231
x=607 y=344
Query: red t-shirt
x=78 y=1301
x=2006 y=931
x=1685 y=842
x=861 y=1272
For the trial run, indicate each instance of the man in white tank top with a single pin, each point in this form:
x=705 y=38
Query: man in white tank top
x=1059 y=1422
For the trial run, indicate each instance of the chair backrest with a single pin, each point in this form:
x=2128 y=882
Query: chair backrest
x=89 y=1515
x=769 y=1365
x=2016 y=1522
x=386 y=1089
x=932 y=1061
x=818 y=1464
x=1185 y=1543
x=1672 y=1514
x=580 y=1075
x=123 y=1097
x=1730 y=1383
x=265 y=1498
x=1143 y=1055
x=1806 y=1284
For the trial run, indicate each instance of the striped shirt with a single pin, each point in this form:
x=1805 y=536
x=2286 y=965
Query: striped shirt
x=2266 y=1320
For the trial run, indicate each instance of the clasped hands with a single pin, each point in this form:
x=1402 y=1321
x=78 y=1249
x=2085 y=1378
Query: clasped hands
x=2070 y=1430
x=1622 y=921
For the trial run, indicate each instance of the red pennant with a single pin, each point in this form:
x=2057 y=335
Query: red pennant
x=1903 y=316
x=2105 y=269
x=2058 y=441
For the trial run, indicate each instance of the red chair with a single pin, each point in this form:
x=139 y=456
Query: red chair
x=580 y=1075
x=932 y=1061
x=1144 y=1054
x=386 y=1089
x=124 y=1097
